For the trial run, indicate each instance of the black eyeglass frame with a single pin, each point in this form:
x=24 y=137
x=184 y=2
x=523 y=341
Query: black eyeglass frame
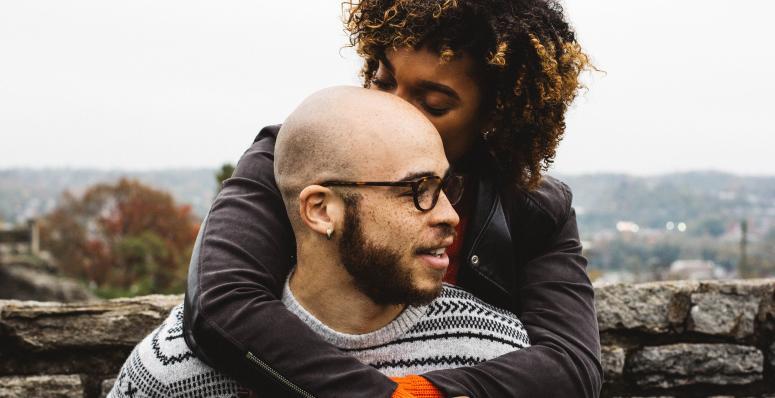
x=414 y=184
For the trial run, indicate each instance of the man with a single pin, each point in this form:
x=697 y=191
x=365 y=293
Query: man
x=369 y=195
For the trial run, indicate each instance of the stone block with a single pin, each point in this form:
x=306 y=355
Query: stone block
x=54 y=386
x=106 y=361
x=612 y=359
x=648 y=307
x=724 y=314
x=21 y=281
x=686 y=364
x=740 y=287
x=54 y=326
x=106 y=386
x=772 y=355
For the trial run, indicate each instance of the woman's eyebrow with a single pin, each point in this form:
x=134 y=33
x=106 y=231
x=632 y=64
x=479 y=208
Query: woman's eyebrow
x=386 y=62
x=426 y=85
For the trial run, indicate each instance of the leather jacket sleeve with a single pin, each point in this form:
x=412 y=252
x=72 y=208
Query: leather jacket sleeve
x=233 y=318
x=234 y=321
x=554 y=299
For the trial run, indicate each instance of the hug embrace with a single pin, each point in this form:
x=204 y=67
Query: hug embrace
x=398 y=240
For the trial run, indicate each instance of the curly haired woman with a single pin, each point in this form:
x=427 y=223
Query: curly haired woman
x=495 y=77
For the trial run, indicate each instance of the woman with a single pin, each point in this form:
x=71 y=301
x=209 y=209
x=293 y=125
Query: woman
x=495 y=77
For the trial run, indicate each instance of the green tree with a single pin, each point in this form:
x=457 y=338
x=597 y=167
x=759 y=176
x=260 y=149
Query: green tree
x=711 y=226
x=225 y=172
x=743 y=266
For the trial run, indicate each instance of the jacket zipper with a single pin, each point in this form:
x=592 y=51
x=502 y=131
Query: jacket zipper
x=479 y=234
x=263 y=365
x=478 y=239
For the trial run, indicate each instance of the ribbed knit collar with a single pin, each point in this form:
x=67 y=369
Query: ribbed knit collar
x=388 y=333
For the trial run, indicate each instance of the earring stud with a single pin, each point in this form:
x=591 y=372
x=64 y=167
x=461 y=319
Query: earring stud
x=329 y=233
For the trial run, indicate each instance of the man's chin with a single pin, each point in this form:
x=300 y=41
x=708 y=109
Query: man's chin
x=425 y=292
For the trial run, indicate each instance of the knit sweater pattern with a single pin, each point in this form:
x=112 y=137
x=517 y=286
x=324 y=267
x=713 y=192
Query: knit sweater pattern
x=454 y=330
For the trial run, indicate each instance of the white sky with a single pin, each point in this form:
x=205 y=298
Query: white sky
x=168 y=83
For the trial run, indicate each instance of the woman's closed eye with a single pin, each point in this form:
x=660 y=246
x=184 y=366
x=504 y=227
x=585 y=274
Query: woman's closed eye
x=435 y=110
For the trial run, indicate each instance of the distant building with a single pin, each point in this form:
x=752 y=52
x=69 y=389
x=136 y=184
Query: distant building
x=20 y=240
x=696 y=270
x=609 y=277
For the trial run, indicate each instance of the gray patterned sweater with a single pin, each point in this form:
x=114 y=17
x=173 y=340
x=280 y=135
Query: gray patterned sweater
x=454 y=330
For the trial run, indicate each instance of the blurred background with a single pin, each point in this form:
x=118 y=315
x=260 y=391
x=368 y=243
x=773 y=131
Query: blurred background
x=118 y=120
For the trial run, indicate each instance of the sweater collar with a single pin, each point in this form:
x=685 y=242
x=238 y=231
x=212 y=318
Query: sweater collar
x=390 y=332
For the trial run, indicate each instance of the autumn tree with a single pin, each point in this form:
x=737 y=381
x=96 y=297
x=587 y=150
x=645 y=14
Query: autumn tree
x=123 y=238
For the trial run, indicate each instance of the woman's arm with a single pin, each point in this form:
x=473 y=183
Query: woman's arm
x=555 y=302
x=233 y=319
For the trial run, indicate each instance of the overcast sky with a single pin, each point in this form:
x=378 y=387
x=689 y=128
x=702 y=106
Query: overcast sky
x=169 y=83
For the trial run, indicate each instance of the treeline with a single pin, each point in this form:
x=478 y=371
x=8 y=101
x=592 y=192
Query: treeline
x=709 y=203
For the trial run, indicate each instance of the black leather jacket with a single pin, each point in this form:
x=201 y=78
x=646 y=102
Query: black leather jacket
x=523 y=254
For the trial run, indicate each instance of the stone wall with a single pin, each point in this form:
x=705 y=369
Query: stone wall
x=688 y=339
x=667 y=339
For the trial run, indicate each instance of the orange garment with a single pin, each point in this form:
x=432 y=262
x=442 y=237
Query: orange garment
x=454 y=252
x=414 y=386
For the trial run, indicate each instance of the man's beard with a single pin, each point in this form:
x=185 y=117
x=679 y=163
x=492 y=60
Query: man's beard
x=377 y=270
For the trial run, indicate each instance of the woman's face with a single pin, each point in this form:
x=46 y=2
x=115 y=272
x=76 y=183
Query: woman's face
x=445 y=92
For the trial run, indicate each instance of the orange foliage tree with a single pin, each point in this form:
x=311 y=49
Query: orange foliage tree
x=123 y=239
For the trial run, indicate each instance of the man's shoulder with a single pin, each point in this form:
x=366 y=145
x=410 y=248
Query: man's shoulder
x=162 y=362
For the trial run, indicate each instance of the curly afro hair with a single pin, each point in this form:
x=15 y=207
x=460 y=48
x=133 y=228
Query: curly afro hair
x=525 y=51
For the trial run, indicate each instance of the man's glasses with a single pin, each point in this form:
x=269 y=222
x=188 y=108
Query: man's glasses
x=425 y=190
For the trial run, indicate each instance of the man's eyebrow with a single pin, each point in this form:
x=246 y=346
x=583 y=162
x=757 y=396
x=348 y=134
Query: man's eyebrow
x=419 y=174
x=428 y=85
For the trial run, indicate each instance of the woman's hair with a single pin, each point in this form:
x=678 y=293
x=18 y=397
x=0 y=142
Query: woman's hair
x=527 y=58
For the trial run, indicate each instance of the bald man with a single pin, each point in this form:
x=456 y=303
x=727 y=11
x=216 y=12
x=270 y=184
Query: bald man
x=369 y=196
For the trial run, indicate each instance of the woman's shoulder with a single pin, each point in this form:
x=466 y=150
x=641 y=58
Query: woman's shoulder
x=268 y=133
x=266 y=137
x=550 y=201
x=257 y=162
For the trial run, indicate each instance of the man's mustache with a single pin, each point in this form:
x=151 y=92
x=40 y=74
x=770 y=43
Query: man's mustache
x=445 y=231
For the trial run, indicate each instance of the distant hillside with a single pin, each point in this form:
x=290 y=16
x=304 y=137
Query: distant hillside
x=701 y=199
x=28 y=193
x=706 y=200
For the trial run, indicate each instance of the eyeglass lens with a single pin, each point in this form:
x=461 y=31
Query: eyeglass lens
x=429 y=189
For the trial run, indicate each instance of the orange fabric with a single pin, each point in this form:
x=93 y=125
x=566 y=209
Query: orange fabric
x=464 y=208
x=414 y=386
x=401 y=393
x=454 y=252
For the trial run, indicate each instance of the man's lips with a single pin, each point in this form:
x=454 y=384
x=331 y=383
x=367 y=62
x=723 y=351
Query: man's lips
x=436 y=261
x=436 y=256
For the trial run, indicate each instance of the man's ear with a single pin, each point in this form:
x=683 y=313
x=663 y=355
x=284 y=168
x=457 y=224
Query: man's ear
x=320 y=210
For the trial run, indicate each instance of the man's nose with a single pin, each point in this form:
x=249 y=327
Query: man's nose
x=444 y=213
